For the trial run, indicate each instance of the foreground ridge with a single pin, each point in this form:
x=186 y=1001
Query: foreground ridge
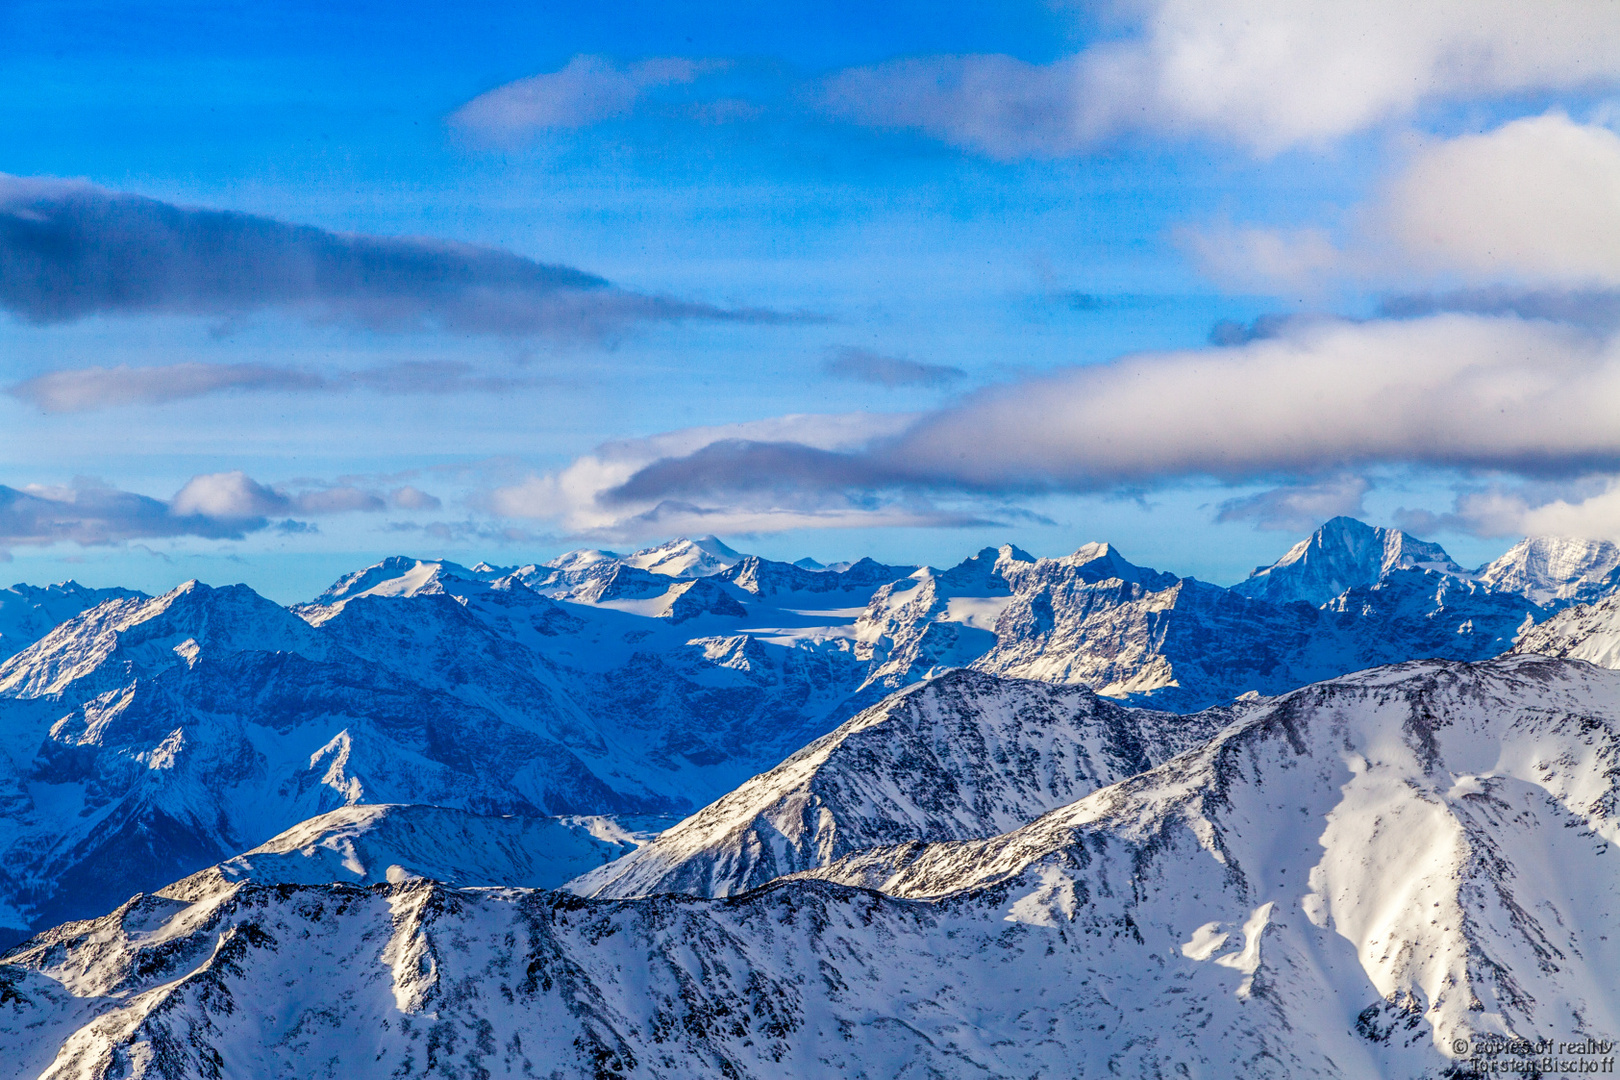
x=1341 y=882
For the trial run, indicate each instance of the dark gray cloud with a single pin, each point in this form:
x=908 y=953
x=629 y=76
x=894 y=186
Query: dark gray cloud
x=1595 y=309
x=864 y=365
x=69 y=251
x=88 y=389
x=736 y=466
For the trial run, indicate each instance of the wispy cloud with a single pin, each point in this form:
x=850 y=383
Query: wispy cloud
x=88 y=389
x=71 y=250
x=864 y=365
x=1597 y=309
x=587 y=90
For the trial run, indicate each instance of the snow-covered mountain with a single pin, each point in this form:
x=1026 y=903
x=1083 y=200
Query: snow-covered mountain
x=1184 y=644
x=372 y=844
x=963 y=756
x=145 y=739
x=1554 y=570
x=1366 y=877
x=29 y=612
x=1342 y=554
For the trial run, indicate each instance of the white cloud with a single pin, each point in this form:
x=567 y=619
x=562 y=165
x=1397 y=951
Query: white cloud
x=1269 y=74
x=1275 y=73
x=1299 y=507
x=1322 y=398
x=413 y=498
x=1537 y=199
x=1534 y=203
x=235 y=495
x=227 y=495
x=1449 y=390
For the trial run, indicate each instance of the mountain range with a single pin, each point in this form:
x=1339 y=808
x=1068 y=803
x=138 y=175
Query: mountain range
x=1164 y=809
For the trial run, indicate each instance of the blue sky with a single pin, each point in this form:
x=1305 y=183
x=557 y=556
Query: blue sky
x=505 y=280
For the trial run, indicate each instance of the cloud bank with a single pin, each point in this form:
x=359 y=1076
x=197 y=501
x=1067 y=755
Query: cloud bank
x=1322 y=399
x=69 y=251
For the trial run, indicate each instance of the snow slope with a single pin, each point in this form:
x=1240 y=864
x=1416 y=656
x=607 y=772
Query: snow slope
x=964 y=755
x=1589 y=632
x=368 y=845
x=1342 y=883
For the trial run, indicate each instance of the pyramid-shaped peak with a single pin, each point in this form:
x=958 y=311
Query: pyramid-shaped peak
x=684 y=557
x=1341 y=554
x=401 y=575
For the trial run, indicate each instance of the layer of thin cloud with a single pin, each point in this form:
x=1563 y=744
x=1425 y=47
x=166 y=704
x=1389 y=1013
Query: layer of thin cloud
x=587 y=90
x=864 y=365
x=1596 y=309
x=91 y=513
x=996 y=105
x=93 y=388
x=1299 y=507
x=71 y=250
x=1587 y=506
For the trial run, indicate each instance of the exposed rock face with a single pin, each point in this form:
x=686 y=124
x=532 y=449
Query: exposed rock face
x=147 y=738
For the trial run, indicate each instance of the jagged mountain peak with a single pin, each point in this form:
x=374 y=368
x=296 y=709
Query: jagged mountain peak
x=389 y=842
x=143 y=635
x=1342 y=553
